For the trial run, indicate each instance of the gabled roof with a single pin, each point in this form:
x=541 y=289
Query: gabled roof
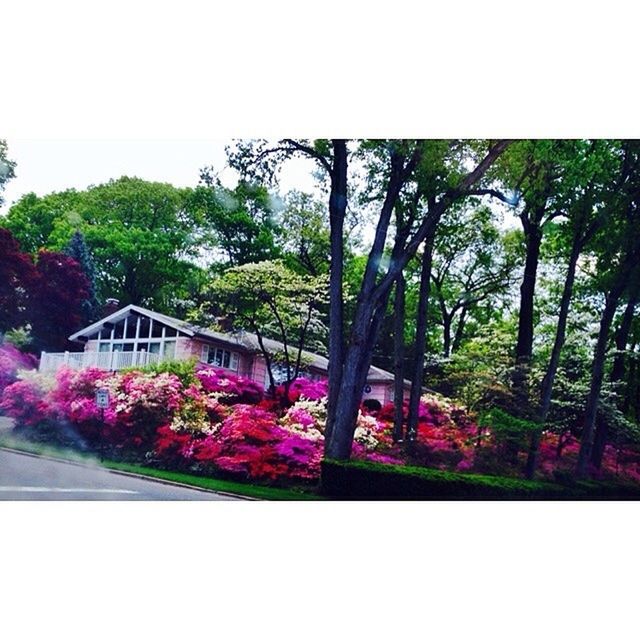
x=241 y=340
x=120 y=314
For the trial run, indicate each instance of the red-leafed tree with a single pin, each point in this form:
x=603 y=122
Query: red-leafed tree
x=56 y=301
x=17 y=276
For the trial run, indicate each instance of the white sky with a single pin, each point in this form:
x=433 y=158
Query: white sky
x=44 y=166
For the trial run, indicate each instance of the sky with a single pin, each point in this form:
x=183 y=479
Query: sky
x=44 y=166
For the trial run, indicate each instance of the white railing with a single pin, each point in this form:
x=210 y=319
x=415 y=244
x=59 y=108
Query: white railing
x=111 y=360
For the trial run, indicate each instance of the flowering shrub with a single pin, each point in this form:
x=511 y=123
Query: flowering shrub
x=144 y=401
x=173 y=447
x=367 y=431
x=214 y=422
x=24 y=402
x=11 y=362
x=71 y=402
x=199 y=412
x=302 y=388
x=306 y=418
x=251 y=443
x=231 y=389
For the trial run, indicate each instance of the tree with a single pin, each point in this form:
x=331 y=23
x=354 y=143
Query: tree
x=37 y=222
x=7 y=168
x=237 y=224
x=473 y=262
x=332 y=157
x=588 y=182
x=535 y=171
x=78 y=250
x=618 y=369
x=56 y=301
x=618 y=272
x=305 y=232
x=141 y=234
x=273 y=302
x=399 y=161
x=17 y=274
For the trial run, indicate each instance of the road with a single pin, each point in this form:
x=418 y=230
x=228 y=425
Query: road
x=24 y=477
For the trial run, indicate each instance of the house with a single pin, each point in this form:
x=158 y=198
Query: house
x=134 y=336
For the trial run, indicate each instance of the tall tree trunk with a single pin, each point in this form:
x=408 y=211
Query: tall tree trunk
x=337 y=210
x=631 y=380
x=617 y=374
x=622 y=338
x=552 y=368
x=398 y=357
x=365 y=331
x=446 y=335
x=374 y=295
x=524 y=345
x=597 y=375
x=457 y=338
x=421 y=338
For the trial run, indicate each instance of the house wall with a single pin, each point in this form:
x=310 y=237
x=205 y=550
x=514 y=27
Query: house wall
x=187 y=348
x=192 y=348
x=379 y=391
x=91 y=345
x=258 y=371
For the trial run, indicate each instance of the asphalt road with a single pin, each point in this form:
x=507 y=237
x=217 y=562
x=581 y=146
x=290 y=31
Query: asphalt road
x=24 y=477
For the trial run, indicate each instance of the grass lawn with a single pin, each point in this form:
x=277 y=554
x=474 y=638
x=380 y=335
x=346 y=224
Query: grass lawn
x=259 y=492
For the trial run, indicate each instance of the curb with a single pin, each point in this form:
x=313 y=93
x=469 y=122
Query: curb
x=131 y=474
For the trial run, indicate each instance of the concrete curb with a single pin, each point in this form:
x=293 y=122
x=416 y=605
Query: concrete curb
x=130 y=474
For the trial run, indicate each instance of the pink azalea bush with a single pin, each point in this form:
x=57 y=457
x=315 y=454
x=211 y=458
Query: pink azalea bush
x=13 y=360
x=251 y=443
x=231 y=389
x=24 y=401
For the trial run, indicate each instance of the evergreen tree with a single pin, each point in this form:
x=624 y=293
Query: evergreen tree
x=80 y=252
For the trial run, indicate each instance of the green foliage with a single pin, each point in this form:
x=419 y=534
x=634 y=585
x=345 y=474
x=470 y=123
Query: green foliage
x=474 y=266
x=349 y=480
x=183 y=369
x=272 y=301
x=478 y=374
x=19 y=338
x=45 y=222
x=7 y=167
x=508 y=431
x=306 y=233
x=237 y=224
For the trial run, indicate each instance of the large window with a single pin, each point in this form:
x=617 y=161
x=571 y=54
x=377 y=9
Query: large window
x=219 y=357
x=138 y=333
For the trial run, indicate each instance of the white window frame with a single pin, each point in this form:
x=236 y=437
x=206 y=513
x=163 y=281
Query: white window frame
x=161 y=340
x=234 y=359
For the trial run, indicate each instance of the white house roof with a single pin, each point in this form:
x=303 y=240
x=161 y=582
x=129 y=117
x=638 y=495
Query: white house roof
x=242 y=340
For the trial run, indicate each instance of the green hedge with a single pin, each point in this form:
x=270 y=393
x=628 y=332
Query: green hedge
x=374 y=481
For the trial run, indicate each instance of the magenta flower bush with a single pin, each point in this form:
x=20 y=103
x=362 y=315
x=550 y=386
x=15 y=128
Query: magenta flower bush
x=13 y=360
x=252 y=444
x=302 y=388
x=231 y=389
x=24 y=401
